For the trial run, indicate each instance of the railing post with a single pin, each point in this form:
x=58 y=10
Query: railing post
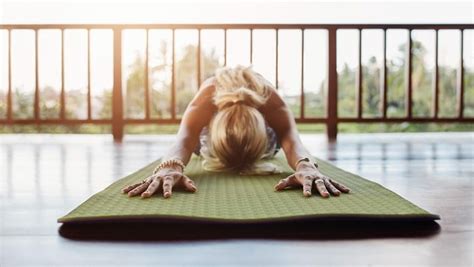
x=460 y=78
x=331 y=122
x=117 y=100
x=408 y=77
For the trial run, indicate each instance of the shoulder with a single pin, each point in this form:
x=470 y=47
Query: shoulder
x=205 y=93
x=209 y=82
x=274 y=100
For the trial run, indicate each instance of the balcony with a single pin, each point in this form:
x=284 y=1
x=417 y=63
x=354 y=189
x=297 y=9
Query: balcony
x=145 y=74
x=114 y=76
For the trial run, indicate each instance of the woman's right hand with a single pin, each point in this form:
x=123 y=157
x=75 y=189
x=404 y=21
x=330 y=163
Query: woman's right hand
x=165 y=179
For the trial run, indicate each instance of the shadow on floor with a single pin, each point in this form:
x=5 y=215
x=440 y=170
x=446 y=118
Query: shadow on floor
x=299 y=230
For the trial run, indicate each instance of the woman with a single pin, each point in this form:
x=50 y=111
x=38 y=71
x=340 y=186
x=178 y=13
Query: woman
x=235 y=119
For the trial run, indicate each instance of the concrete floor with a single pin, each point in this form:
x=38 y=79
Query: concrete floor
x=42 y=177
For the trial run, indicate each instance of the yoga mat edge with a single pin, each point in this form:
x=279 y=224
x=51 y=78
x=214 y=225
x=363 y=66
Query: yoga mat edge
x=230 y=191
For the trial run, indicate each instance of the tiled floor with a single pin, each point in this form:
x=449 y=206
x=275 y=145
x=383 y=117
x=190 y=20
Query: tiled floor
x=44 y=176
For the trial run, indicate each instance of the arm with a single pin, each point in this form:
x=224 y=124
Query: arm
x=280 y=118
x=197 y=114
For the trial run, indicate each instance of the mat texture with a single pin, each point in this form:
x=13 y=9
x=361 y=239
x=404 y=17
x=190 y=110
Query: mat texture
x=223 y=197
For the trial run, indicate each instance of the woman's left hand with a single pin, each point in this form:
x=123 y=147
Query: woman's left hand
x=306 y=175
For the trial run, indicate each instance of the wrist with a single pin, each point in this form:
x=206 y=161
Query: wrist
x=174 y=164
x=168 y=169
x=306 y=163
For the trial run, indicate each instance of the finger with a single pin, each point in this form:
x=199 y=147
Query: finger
x=321 y=188
x=340 y=186
x=167 y=186
x=307 y=184
x=189 y=184
x=139 y=189
x=130 y=187
x=331 y=188
x=152 y=188
x=283 y=183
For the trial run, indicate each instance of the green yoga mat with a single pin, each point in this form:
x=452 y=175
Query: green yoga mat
x=223 y=197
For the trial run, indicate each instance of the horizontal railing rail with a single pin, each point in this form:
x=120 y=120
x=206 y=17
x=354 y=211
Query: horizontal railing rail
x=331 y=119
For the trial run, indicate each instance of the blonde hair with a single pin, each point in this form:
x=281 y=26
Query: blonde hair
x=237 y=133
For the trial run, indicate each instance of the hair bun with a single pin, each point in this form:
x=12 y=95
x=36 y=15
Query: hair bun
x=242 y=95
x=238 y=101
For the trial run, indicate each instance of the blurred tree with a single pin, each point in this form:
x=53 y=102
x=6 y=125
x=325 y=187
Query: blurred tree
x=346 y=92
x=3 y=104
x=210 y=61
x=134 y=94
x=469 y=92
x=22 y=104
x=160 y=83
x=371 y=87
x=186 y=85
x=49 y=102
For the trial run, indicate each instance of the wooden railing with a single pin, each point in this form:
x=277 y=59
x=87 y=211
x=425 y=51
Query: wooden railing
x=331 y=119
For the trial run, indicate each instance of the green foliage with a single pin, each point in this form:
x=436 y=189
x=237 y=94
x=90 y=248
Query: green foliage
x=134 y=95
x=469 y=92
x=346 y=92
x=186 y=82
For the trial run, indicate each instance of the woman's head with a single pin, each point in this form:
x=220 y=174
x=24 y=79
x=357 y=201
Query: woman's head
x=237 y=135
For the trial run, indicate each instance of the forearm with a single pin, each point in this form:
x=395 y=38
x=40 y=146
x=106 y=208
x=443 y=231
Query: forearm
x=183 y=147
x=294 y=149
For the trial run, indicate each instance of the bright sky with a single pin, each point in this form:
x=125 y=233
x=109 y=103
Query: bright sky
x=235 y=11
x=223 y=11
